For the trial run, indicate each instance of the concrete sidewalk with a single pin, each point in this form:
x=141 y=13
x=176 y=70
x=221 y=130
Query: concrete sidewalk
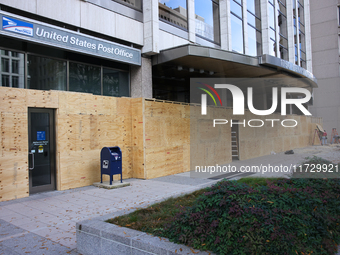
x=45 y=223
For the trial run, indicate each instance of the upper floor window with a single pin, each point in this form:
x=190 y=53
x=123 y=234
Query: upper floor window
x=137 y=4
x=272 y=28
x=174 y=12
x=254 y=27
x=283 y=30
x=207 y=19
x=237 y=42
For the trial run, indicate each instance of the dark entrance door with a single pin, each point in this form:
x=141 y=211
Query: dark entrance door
x=41 y=150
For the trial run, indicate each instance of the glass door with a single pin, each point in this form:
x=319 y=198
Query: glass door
x=41 y=150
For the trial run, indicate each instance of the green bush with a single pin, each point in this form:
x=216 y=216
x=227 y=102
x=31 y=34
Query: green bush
x=296 y=216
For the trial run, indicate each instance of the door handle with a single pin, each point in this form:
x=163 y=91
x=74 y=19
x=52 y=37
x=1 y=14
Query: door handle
x=31 y=167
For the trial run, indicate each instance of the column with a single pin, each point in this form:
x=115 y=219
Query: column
x=308 y=36
x=245 y=27
x=265 y=27
x=290 y=27
x=225 y=24
x=191 y=20
x=151 y=27
x=141 y=79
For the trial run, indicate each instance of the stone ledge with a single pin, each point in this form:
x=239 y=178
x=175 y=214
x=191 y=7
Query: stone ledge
x=95 y=236
x=99 y=237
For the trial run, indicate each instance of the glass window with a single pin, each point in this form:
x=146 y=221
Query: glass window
x=301 y=15
x=5 y=52
x=46 y=73
x=174 y=12
x=133 y=3
x=237 y=34
x=253 y=6
x=15 y=66
x=85 y=78
x=12 y=69
x=272 y=47
x=302 y=42
x=115 y=83
x=5 y=65
x=5 y=80
x=207 y=19
x=15 y=81
x=271 y=13
x=236 y=8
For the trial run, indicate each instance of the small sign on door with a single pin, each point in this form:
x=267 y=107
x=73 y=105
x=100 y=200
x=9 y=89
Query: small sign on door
x=41 y=135
x=41 y=149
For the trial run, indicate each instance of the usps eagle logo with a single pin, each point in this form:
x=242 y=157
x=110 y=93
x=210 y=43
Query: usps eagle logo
x=17 y=26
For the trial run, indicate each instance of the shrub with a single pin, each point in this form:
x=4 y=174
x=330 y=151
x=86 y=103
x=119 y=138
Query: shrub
x=296 y=216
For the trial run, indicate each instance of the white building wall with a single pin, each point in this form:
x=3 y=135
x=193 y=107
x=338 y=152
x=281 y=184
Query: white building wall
x=84 y=15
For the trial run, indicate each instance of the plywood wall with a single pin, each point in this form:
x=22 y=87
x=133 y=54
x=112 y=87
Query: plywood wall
x=156 y=138
x=84 y=124
x=256 y=142
x=167 y=138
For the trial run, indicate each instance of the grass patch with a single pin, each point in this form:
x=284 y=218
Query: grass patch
x=257 y=181
x=249 y=216
x=153 y=218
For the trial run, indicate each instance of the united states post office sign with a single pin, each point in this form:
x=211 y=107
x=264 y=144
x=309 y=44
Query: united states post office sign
x=19 y=27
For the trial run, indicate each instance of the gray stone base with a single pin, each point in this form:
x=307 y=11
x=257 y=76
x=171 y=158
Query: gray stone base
x=99 y=237
x=115 y=184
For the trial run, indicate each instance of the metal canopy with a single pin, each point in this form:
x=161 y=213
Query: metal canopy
x=190 y=61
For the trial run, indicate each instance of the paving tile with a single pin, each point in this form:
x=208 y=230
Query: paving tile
x=6 y=251
x=7 y=229
x=66 y=238
x=34 y=244
x=5 y=212
x=12 y=217
x=33 y=226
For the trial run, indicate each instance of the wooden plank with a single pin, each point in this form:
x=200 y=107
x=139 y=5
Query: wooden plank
x=13 y=100
x=123 y=106
x=13 y=176
x=14 y=132
x=42 y=99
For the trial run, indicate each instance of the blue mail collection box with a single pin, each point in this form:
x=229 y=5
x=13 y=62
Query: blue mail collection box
x=111 y=162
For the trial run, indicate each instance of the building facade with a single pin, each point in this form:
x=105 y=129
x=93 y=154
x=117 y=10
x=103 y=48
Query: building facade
x=326 y=50
x=78 y=75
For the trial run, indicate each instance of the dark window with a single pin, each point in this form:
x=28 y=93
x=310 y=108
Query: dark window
x=85 y=78
x=137 y=4
x=115 y=83
x=46 y=73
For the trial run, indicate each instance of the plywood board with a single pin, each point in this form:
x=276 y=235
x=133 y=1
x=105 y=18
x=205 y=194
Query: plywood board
x=13 y=100
x=42 y=99
x=14 y=132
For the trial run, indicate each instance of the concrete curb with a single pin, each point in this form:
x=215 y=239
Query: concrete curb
x=99 y=237
x=95 y=236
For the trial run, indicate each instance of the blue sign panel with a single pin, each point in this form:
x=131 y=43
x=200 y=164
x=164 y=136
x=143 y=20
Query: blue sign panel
x=17 y=26
x=41 y=135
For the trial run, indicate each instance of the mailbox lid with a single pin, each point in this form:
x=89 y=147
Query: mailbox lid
x=111 y=153
x=116 y=153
